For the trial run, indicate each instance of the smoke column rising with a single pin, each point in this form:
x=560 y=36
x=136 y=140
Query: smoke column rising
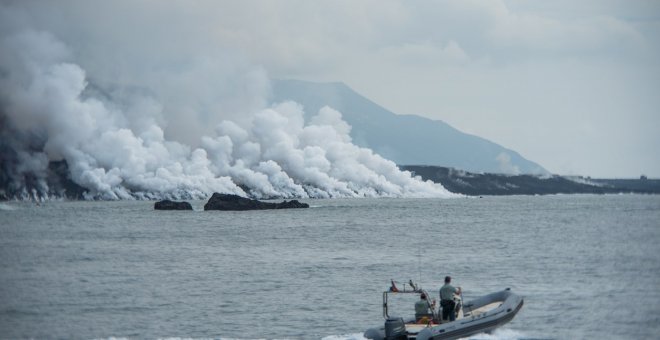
x=115 y=144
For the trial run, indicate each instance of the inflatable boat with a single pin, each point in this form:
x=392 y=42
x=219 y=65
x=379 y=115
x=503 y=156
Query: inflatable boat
x=481 y=315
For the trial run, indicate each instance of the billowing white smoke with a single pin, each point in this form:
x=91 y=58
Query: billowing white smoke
x=117 y=149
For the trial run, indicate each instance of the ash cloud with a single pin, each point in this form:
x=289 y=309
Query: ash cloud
x=184 y=131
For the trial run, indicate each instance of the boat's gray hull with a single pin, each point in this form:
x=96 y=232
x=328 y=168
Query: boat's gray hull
x=471 y=324
x=486 y=322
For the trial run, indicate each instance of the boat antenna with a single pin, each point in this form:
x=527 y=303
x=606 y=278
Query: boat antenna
x=419 y=265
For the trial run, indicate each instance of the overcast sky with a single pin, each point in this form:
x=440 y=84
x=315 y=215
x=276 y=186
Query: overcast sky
x=572 y=85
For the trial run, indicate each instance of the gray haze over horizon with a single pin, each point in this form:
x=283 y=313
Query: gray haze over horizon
x=570 y=85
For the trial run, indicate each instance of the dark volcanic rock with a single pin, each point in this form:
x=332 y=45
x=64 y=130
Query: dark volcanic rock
x=476 y=184
x=235 y=202
x=171 y=205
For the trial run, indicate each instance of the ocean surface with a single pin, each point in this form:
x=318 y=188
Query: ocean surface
x=588 y=266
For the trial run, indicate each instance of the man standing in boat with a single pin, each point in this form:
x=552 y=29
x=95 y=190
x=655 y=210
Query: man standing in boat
x=447 y=299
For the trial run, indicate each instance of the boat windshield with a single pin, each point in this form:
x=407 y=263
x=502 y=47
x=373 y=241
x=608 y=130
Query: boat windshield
x=402 y=303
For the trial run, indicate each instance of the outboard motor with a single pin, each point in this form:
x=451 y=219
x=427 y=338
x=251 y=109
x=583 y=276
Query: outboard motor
x=395 y=329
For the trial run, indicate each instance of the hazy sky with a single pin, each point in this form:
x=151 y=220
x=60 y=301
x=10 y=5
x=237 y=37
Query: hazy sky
x=572 y=85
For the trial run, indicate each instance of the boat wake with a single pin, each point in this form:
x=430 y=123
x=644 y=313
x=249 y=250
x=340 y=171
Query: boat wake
x=356 y=336
x=498 y=334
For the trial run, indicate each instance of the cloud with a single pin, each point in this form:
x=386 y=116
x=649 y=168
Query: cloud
x=542 y=34
x=425 y=54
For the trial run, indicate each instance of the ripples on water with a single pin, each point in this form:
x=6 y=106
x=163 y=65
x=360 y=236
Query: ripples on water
x=588 y=266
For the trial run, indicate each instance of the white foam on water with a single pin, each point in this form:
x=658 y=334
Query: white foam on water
x=7 y=207
x=356 y=336
x=499 y=334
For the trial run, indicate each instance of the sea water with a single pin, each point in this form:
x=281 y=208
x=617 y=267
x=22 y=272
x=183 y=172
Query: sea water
x=587 y=266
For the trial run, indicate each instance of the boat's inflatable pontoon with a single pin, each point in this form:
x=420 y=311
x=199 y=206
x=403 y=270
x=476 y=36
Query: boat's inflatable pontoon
x=480 y=315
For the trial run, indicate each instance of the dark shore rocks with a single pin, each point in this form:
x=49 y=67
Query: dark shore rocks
x=476 y=184
x=172 y=205
x=235 y=202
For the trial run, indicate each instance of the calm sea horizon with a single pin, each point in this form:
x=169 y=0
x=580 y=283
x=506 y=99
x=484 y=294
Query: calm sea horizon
x=588 y=266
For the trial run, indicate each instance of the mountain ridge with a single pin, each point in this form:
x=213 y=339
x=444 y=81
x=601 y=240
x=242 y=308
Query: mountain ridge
x=404 y=139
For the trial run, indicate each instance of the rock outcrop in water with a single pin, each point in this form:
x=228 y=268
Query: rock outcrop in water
x=172 y=205
x=235 y=202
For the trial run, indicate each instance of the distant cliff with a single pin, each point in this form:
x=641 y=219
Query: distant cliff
x=57 y=184
x=475 y=184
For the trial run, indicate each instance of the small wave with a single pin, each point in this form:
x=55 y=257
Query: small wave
x=7 y=207
x=18 y=312
x=340 y=258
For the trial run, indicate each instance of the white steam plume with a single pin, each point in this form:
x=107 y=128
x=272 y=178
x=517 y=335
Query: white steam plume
x=115 y=145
